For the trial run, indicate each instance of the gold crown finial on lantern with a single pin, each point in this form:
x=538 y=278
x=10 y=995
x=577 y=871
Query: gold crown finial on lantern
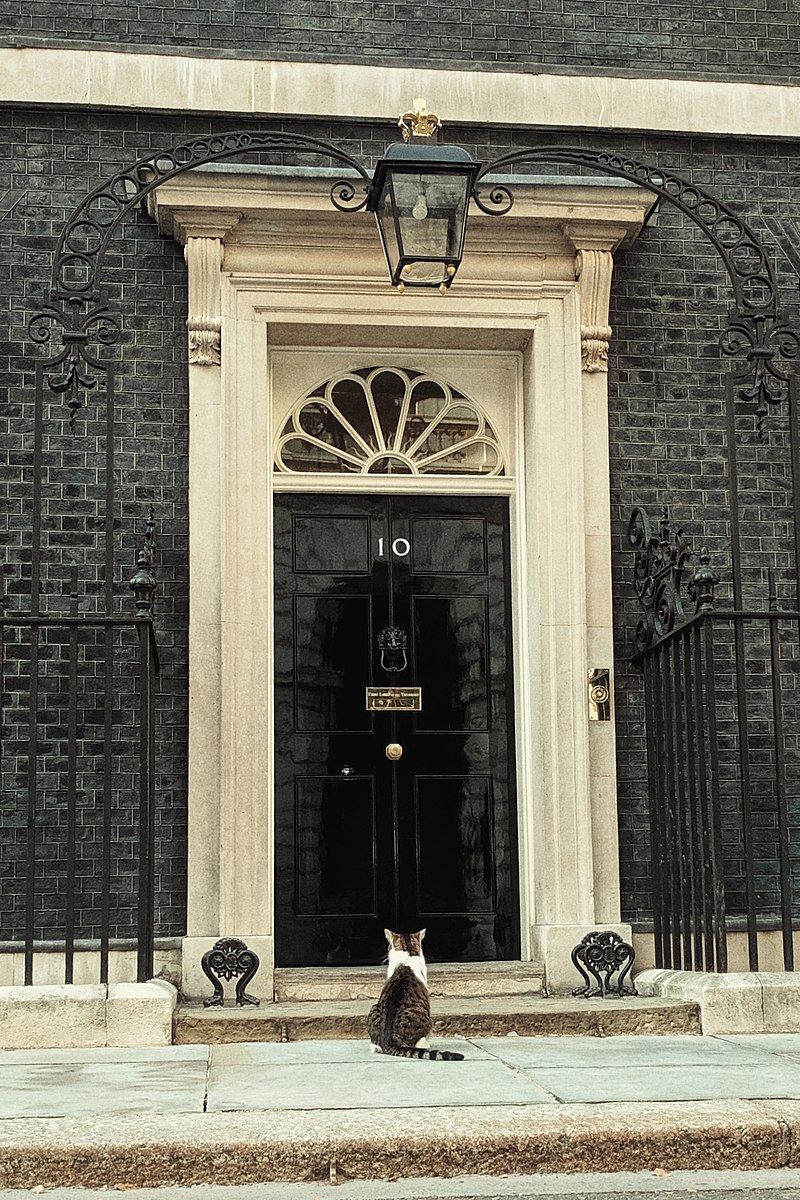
x=419 y=123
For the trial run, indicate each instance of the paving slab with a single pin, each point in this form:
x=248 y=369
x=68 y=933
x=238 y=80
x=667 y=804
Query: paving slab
x=707 y=1081
x=621 y=1052
x=777 y=1184
x=633 y=1185
x=375 y=1082
x=787 y=1044
x=258 y=1055
x=101 y=1054
x=67 y=1089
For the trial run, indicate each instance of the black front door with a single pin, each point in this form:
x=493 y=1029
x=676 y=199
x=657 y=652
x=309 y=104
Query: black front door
x=427 y=839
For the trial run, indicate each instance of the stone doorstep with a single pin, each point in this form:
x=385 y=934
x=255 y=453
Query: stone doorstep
x=466 y=1017
x=150 y=1150
x=293 y=984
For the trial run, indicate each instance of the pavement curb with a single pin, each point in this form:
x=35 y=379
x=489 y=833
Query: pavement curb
x=329 y=1146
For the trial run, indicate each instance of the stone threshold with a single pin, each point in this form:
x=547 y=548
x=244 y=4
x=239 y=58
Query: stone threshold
x=481 y=979
x=452 y=1017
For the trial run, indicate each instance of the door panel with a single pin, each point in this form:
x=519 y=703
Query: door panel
x=330 y=813
x=428 y=840
x=448 y=546
x=455 y=850
x=331 y=545
x=332 y=636
x=450 y=640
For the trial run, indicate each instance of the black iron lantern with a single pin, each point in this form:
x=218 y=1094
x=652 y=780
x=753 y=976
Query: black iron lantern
x=420 y=195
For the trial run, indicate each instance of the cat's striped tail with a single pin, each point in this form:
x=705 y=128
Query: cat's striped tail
x=413 y=1052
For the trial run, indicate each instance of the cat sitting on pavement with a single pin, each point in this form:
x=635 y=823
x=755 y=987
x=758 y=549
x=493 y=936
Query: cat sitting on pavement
x=400 y=1022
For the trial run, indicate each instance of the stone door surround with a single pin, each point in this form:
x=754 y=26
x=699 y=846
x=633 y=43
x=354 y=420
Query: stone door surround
x=275 y=271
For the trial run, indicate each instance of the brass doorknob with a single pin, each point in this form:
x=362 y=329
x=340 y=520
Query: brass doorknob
x=394 y=751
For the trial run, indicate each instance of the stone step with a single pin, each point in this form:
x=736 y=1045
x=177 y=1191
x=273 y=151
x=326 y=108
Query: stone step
x=297 y=984
x=498 y=1016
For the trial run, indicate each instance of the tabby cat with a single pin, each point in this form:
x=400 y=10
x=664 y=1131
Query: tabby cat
x=400 y=1022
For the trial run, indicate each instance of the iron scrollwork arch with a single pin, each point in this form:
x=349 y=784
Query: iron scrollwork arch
x=750 y=272
x=755 y=330
x=77 y=304
x=76 y=299
x=88 y=231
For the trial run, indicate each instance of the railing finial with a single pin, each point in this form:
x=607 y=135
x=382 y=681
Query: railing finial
x=704 y=580
x=143 y=584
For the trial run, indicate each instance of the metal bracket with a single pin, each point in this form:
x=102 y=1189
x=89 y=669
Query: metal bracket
x=229 y=957
x=599 y=694
x=603 y=952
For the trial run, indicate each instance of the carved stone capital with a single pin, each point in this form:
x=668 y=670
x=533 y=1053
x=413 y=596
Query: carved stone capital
x=204 y=260
x=594 y=347
x=205 y=345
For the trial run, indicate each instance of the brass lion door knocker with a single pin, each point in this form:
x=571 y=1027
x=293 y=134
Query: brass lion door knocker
x=392 y=642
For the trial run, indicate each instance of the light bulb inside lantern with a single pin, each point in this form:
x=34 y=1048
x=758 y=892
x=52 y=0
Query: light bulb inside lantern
x=420 y=209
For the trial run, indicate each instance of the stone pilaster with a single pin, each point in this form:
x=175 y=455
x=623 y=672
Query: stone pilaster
x=594 y=263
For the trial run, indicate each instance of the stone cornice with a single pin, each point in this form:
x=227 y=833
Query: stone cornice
x=225 y=203
x=45 y=76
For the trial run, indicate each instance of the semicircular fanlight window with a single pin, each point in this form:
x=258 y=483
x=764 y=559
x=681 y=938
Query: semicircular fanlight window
x=388 y=421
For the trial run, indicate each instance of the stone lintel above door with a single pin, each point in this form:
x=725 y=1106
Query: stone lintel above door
x=268 y=218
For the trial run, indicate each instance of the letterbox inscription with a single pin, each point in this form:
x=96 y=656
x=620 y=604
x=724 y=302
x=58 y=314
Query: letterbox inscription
x=394 y=699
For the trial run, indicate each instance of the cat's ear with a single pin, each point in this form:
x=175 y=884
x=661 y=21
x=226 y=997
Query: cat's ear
x=388 y=935
x=421 y=935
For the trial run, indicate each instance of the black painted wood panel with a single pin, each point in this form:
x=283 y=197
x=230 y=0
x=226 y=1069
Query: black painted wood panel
x=429 y=840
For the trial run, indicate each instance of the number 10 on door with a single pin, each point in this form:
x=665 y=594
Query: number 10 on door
x=401 y=547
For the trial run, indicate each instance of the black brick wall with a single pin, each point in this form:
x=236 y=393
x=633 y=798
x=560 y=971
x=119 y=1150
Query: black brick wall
x=670 y=298
x=668 y=443
x=48 y=162
x=759 y=40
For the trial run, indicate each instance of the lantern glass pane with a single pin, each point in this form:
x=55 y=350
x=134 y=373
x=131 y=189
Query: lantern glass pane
x=387 y=223
x=421 y=217
x=430 y=210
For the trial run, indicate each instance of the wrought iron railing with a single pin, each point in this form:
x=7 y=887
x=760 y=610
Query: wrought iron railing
x=722 y=705
x=77 y=778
